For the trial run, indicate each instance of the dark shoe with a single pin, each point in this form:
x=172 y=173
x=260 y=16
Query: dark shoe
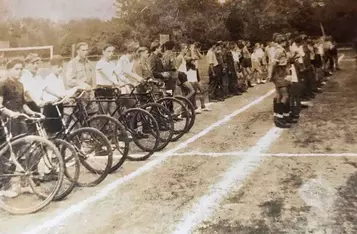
x=101 y=152
x=280 y=123
x=141 y=135
x=213 y=100
x=52 y=176
x=290 y=120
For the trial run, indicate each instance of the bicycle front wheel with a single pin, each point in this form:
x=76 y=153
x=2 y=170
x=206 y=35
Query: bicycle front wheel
x=144 y=131
x=164 y=119
x=180 y=115
x=191 y=111
x=31 y=174
x=71 y=168
x=95 y=155
x=116 y=134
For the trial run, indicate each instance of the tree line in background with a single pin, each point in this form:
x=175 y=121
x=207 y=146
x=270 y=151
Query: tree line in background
x=188 y=21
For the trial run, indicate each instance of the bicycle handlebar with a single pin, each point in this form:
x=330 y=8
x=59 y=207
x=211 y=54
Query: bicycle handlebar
x=27 y=117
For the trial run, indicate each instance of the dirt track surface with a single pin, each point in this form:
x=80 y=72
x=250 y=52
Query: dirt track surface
x=281 y=195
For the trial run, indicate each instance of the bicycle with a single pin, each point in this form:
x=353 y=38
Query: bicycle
x=22 y=162
x=88 y=142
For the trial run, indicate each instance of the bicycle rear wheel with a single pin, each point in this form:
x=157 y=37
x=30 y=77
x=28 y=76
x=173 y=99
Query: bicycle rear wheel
x=95 y=155
x=116 y=134
x=31 y=174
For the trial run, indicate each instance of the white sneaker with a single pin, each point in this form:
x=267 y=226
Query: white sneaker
x=12 y=192
x=206 y=109
x=307 y=103
x=198 y=111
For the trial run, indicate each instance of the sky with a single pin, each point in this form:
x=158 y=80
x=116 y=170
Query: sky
x=59 y=10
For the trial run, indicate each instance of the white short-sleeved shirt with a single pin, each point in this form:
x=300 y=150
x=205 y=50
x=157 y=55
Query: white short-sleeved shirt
x=235 y=55
x=211 y=58
x=34 y=86
x=183 y=65
x=271 y=54
x=54 y=83
x=124 y=65
x=259 y=53
x=108 y=68
x=192 y=75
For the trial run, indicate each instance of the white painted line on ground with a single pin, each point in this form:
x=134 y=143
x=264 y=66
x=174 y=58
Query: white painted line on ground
x=63 y=214
x=340 y=58
x=349 y=60
x=241 y=153
x=234 y=177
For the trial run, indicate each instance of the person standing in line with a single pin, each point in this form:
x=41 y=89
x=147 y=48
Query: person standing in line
x=106 y=79
x=126 y=63
x=182 y=67
x=12 y=104
x=81 y=73
x=55 y=89
x=214 y=73
x=33 y=82
x=231 y=70
x=170 y=66
x=196 y=55
x=224 y=82
x=334 y=55
x=279 y=77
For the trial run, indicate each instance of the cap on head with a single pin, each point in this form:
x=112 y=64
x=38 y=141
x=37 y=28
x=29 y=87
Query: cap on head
x=280 y=38
x=154 y=45
x=32 y=58
x=57 y=60
x=13 y=62
x=142 y=49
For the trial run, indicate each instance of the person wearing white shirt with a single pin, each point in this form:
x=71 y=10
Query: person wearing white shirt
x=106 y=79
x=105 y=69
x=125 y=66
x=54 y=90
x=33 y=83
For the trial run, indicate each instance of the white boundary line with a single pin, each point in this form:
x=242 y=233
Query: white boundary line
x=242 y=154
x=350 y=60
x=63 y=214
x=340 y=58
x=234 y=177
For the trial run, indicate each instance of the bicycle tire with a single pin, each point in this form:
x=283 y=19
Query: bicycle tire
x=129 y=115
x=120 y=132
x=104 y=142
x=45 y=202
x=191 y=109
x=63 y=193
x=163 y=117
x=169 y=103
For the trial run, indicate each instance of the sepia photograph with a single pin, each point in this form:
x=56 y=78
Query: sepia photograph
x=178 y=116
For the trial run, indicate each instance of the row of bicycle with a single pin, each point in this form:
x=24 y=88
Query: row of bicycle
x=38 y=168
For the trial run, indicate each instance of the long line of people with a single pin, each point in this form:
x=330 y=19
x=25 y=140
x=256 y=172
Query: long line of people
x=298 y=65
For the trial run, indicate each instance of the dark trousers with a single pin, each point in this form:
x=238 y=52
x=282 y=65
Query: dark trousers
x=233 y=83
x=215 y=83
x=53 y=122
x=295 y=97
x=225 y=83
